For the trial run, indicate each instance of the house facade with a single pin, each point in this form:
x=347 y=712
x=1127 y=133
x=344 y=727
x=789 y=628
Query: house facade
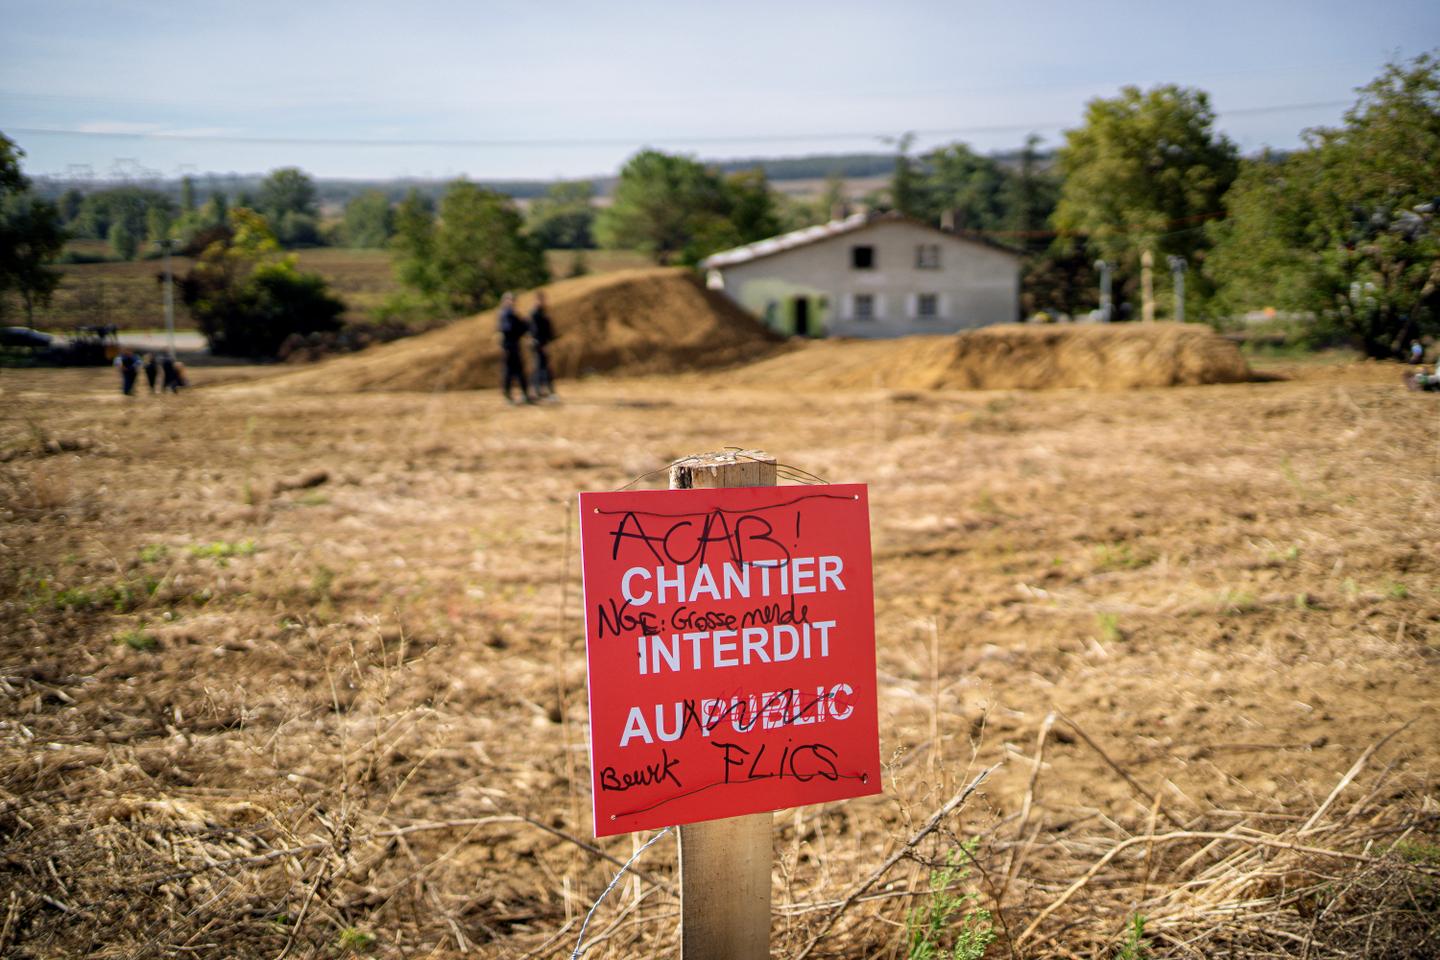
x=870 y=275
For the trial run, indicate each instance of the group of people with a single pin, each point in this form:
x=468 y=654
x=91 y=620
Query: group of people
x=514 y=330
x=131 y=365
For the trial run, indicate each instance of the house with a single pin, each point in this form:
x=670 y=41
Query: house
x=871 y=275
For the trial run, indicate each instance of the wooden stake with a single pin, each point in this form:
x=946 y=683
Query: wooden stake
x=725 y=864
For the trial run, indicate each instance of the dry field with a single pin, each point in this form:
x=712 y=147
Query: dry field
x=128 y=294
x=302 y=676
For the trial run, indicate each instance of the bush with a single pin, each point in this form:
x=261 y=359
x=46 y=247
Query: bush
x=248 y=299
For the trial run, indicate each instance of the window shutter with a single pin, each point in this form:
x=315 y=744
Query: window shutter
x=912 y=305
x=944 y=306
x=879 y=308
x=847 y=306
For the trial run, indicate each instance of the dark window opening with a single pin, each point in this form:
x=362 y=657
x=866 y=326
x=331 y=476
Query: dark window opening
x=862 y=258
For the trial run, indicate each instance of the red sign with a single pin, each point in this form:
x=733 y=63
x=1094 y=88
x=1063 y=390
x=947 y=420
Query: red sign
x=730 y=637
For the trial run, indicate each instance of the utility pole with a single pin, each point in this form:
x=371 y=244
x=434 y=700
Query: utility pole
x=1147 y=286
x=1106 y=308
x=1177 y=271
x=165 y=245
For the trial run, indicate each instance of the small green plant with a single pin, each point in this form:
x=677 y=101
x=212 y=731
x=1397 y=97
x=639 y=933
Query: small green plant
x=355 y=940
x=1396 y=591
x=1238 y=601
x=223 y=550
x=138 y=639
x=313 y=499
x=929 y=925
x=1418 y=851
x=1134 y=946
x=1120 y=556
x=154 y=553
x=1108 y=626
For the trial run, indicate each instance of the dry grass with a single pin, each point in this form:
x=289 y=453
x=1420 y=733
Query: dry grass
x=360 y=728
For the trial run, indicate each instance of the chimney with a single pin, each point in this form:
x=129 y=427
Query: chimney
x=952 y=220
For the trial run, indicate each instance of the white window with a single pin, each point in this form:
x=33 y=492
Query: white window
x=864 y=306
x=927 y=256
x=927 y=306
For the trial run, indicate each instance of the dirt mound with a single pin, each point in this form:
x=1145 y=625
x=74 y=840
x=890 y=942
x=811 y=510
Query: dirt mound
x=1014 y=356
x=630 y=321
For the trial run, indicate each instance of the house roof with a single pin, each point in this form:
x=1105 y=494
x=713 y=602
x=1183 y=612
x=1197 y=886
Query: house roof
x=825 y=231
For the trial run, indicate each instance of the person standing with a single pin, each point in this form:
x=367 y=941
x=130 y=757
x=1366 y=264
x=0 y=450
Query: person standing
x=172 y=378
x=1417 y=353
x=152 y=367
x=129 y=366
x=542 y=331
x=513 y=328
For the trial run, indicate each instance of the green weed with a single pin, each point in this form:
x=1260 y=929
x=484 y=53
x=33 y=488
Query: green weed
x=355 y=940
x=1396 y=591
x=1418 y=851
x=154 y=553
x=1108 y=626
x=1120 y=556
x=929 y=925
x=223 y=550
x=1134 y=946
x=119 y=597
x=138 y=640
x=1238 y=601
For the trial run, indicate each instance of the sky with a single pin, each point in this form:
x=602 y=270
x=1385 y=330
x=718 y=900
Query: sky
x=551 y=89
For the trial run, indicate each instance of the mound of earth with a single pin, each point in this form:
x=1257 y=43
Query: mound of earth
x=1015 y=356
x=627 y=322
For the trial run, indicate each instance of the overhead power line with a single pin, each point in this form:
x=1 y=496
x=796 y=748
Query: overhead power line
x=574 y=142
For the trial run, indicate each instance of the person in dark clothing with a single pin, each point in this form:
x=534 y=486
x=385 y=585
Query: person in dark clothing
x=129 y=365
x=513 y=328
x=152 y=368
x=172 y=379
x=542 y=331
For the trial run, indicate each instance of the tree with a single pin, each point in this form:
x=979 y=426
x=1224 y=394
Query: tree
x=474 y=253
x=187 y=194
x=247 y=297
x=564 y=219
x=288 y=200
x=904 y=191
x=31 y=234
x=101 y=211
x=753 y=211
x=1346 y=230
x=665 y=205
x=481 y=250
x=369 y=220
x=123 y=243
x=1145 y=171
x=157 y=224
x=414 y=244
x=957 y=180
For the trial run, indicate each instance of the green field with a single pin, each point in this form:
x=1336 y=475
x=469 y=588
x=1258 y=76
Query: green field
x=128 y=293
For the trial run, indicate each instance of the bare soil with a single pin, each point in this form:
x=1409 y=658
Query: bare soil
x=290 y=675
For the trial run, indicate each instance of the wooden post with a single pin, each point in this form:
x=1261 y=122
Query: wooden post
x=725 y=864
